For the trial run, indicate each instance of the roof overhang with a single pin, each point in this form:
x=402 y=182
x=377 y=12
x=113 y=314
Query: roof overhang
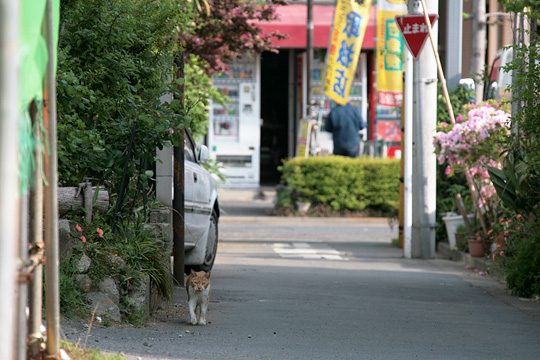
x=292 y=22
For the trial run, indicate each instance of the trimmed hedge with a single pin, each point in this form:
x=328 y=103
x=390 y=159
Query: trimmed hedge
x=341 y=183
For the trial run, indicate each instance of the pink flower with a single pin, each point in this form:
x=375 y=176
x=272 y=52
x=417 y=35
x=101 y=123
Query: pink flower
x=99 y=232
x=78 y=228
x=448 y=171
x=459 y=118
x=83 y=239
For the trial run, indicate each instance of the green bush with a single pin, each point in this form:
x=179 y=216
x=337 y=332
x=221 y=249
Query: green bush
x=522 y=260
x=341 y=183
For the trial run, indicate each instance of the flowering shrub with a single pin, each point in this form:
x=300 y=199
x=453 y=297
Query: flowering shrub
x=473 y=144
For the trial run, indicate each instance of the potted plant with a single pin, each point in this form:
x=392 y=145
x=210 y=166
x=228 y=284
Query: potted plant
x=472 y=145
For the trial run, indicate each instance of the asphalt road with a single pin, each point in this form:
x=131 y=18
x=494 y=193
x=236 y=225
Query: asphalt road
x=286 y=288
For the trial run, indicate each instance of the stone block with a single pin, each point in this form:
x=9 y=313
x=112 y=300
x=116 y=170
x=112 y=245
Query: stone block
x=66 y=241
x=161 y=215
x=108 y=287
x=139 y=297
x=83 y=264
x=104 y=306
x=84 y=281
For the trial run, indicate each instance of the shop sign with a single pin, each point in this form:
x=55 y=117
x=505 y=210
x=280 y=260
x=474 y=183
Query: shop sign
x=390 y=53
x=350 y=22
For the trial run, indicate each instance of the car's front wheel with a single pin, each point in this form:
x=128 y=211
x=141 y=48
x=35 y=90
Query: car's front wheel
x=211 y=247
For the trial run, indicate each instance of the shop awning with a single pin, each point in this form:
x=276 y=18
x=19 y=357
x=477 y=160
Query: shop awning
x=292 y=21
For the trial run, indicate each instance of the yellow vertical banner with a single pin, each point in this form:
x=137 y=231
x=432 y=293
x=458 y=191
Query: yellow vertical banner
x=390 y=53
x=350 y=22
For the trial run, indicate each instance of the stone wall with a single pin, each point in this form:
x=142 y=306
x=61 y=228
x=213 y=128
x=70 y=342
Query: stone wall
x=106 y=296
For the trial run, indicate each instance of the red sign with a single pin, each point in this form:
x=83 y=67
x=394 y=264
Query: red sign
x=415 y=31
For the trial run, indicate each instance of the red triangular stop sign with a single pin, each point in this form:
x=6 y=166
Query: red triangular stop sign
x=415 y=31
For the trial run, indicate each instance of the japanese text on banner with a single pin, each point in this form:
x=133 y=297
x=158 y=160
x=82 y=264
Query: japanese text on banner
x=390 y=53
x=350 y=22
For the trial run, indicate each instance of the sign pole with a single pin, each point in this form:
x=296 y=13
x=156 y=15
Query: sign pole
x=407 y=155
x=425 y=114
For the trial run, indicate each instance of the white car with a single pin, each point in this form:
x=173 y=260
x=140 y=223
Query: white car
x=201 y=209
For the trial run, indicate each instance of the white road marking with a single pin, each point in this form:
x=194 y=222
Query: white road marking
x=303 y=250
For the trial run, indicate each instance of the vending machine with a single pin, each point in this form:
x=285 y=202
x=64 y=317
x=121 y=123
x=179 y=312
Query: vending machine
x=234 y=127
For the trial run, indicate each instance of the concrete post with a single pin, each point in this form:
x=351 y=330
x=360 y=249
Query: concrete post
x=9 y=90
x=424 y=161
x=454 y=35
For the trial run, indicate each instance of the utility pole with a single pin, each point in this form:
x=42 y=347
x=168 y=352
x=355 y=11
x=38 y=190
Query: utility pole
x=454 y=34
x=478 y=57
x=178 y=183
x=9 y=90
x=309 y=57
x=424 y=161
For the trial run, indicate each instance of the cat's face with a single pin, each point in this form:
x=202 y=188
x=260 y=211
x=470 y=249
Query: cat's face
x=199 y=280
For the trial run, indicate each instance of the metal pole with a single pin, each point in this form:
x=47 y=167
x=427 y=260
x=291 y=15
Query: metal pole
x=36 y=295
x=9 y=90
x=52 y=298
x=407 y=156
x=309 y=57
x=22 y=293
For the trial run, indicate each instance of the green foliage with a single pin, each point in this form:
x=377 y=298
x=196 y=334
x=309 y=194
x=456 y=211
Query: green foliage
x=72 y=303
x=522 y=257
x=342 y=184
x=459 y=97
x=143 y=255
x=77 y=352
x=113 y=69
x=518 y=183
x=114 y=73
x=199 y=92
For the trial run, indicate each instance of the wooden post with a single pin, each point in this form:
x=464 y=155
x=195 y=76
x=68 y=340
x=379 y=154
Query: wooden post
x=439 y=65
x=178 y=184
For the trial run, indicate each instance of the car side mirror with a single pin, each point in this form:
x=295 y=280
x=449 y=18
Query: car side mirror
x=204 y=154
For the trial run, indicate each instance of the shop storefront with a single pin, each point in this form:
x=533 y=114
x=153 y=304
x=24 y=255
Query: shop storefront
x=258 y=127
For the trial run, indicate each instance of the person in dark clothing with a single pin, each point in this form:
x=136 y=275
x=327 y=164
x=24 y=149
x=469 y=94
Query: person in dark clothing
x=344 y=122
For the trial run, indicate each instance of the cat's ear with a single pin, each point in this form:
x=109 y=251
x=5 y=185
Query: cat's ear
x=208 y=274
x=192 y=272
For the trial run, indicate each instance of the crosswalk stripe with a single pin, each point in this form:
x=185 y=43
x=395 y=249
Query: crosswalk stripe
x=302 y=250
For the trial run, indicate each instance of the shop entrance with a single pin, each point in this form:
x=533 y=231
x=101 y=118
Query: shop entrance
x=274 y=114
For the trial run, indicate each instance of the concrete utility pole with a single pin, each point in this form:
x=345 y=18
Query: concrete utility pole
x=454 y=35
x=478 y=58
x=309 y=55
x=424 y=161
x=9 y=90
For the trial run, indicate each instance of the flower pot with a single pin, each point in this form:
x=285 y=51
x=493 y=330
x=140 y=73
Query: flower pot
x=452 y=222
x=476 y=247
x=303 y=207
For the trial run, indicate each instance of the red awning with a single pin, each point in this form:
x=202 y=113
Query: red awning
x=292 y=21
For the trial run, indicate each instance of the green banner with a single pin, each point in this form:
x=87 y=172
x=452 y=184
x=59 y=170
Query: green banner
x=33 y=57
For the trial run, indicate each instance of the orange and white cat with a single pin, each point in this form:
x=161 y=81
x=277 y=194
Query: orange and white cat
x=198 y=291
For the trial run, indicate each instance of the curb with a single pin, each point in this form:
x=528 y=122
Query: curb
x=482 y=264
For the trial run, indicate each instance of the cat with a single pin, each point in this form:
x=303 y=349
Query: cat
x=198 y=290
